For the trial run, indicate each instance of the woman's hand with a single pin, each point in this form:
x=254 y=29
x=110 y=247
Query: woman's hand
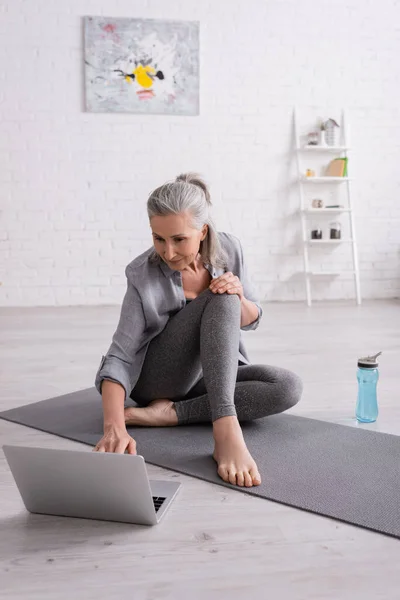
x=227 y=283
x=116 y=439
x=230 y=284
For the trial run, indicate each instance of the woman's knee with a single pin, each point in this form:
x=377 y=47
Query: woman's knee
x=225 y=300
x=288 y=386
x=291 y=388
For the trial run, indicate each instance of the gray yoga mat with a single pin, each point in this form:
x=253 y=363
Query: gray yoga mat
x=332 y=470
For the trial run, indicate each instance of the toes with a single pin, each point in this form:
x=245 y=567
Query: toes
x=255 y=476
x=240 y=478
x=248 y=481
x=232 y=477
x=223 y=473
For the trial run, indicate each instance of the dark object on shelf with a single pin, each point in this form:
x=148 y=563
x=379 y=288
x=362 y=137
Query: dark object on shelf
x=336 y=232
x=312 y=138
x=316 y=234
x=317 y=203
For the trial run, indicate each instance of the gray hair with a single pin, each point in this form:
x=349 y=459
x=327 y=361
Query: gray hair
x=189 y=193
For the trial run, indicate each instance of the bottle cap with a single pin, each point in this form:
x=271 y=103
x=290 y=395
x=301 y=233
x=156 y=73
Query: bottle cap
x=369 y=362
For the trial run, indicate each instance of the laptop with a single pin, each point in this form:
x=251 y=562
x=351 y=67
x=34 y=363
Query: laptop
x=89 y=485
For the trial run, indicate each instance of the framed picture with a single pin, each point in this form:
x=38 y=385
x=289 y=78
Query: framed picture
x=145 y=66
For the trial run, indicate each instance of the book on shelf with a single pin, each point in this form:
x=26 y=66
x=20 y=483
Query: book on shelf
x=337 y=168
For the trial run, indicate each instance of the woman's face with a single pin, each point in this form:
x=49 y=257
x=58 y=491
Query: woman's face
x=175 y=240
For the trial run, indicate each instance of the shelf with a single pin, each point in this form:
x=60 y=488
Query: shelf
x=313 y=211
x=329 y=241
x=327 y=273
x=305 y=179
x=322 y=148
x=322 y=274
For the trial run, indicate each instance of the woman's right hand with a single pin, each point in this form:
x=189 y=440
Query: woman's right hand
x=116 y=439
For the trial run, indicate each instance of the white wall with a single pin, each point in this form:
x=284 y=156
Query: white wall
x=73 y=185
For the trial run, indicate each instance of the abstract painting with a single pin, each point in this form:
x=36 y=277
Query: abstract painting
x=145 y=66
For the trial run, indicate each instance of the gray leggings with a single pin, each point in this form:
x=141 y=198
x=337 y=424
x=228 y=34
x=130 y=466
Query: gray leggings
x=194 y=362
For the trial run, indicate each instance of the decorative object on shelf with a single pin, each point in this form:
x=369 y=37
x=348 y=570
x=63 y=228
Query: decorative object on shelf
x=316 y=234
x=321 y=134
x=335 y=231
x=330 y=131
x=334 y=206
x=317 y=203
x=337 y=168
x=312 y=138
x=146 y=66
x=310 y=173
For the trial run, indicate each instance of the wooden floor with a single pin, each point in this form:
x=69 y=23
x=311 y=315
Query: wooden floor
x=214 y=542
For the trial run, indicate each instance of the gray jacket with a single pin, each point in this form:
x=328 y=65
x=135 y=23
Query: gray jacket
x=154 y=294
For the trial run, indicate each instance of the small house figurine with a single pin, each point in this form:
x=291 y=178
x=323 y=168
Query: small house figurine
x=330 y=128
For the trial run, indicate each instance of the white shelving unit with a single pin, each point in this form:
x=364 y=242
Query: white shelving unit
x=305 y=212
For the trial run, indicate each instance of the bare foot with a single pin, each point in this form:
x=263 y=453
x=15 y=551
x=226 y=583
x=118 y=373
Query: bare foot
x=159 y=413
x=235 y=463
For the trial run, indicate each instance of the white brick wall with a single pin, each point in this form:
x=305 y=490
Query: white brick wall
x=73 y=185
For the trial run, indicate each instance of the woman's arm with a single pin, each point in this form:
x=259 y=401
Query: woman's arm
x=118 y=364
x=116 y=437
x=249 y=312
x=114 y=376
x=113 y=395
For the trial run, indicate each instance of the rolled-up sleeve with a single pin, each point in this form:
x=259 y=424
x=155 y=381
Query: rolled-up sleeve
x=248 y=290
x=117 y=365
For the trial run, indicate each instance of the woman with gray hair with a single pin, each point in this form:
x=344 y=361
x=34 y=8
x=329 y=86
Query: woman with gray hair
x=177 y=350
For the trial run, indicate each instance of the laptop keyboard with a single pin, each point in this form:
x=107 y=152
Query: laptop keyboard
x=158 y=502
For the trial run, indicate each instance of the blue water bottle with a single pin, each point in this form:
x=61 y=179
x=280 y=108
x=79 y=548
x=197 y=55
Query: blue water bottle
x=367 y=401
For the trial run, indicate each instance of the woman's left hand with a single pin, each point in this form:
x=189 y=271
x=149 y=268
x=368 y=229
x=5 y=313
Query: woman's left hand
x=227 y=283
